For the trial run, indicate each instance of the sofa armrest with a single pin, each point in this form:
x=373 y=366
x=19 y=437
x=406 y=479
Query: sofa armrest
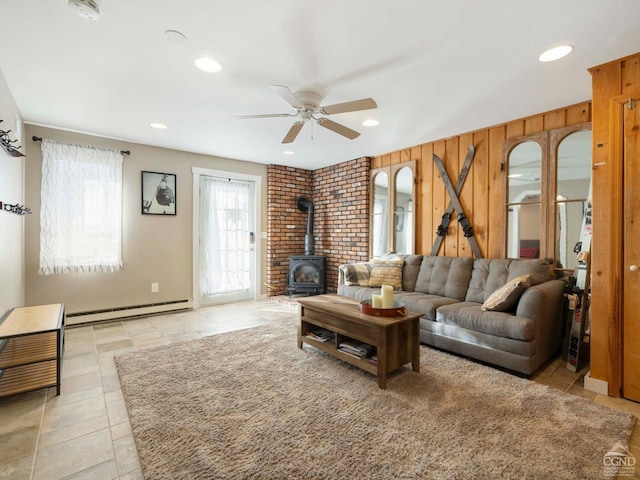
x=543 y=303
x=353 y=274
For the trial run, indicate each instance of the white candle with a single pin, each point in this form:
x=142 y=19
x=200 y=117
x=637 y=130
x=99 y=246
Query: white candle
x=387 y=296
x=376 y=301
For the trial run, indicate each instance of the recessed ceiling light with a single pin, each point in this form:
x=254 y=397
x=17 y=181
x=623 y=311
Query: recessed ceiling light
x=208 y=64
x=556 y=53
x=515 y=175
x=175 y=37
x=159 y=126
x=371 y=123
x=289 y=152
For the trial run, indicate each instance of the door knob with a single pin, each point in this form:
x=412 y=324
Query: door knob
x=633 y=268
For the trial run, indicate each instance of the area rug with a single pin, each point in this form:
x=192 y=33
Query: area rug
x=251 y=405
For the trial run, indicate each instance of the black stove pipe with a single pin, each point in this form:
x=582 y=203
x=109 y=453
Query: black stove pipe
x=306 y=205
x=308 y=238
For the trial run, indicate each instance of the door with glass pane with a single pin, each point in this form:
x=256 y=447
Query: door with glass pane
x=227 y=240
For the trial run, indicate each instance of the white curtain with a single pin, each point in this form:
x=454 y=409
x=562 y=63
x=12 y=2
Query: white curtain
x=225 y=229
x=81 y=211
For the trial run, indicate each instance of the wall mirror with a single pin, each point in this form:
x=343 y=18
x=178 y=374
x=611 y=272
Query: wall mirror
x=380 y=214
x=547 y=182
x=404 y=211
x=573 y=180
x=524 y=200
x=392 y=209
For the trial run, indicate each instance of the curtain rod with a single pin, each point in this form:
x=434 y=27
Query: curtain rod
x=39 y=139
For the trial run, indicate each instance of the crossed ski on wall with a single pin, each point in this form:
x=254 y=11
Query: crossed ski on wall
x=455 y=205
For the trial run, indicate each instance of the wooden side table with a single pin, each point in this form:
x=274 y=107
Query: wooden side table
x=31 y=346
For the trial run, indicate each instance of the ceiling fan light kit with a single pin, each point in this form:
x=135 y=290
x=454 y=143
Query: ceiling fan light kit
x=86 y=8
x=307 y=106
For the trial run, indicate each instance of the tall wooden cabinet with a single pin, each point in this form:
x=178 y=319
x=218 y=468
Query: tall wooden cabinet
x=615 y=260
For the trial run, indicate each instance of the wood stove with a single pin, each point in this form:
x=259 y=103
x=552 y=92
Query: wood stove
x=307 y=275
x=307 y=272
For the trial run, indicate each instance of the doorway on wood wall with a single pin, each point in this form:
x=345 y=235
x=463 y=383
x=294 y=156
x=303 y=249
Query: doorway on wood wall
x=631 y=253
x=225 y=237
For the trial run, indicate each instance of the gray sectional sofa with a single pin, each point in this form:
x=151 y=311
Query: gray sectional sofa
x=450 y=293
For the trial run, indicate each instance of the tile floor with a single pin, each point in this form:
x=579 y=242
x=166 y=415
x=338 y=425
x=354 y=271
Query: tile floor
x=84 y=433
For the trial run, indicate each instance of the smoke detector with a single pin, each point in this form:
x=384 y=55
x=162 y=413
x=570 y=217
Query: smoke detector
x=85 y=8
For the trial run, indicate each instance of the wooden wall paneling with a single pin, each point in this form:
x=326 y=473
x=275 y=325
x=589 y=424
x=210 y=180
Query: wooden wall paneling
x=426 y=220
x=466 y=195
x=405 y=155
x=534 y=124
x=606 y=81
x=496 y=225
x=480 y=179
x=416 y=155
x=515 y=129
x=395 y=158
x=450 y=160
x=630 y=327
x=630 y=75
x=376 y=162
x=579 y=113
x=555 y=119
x=438 y=197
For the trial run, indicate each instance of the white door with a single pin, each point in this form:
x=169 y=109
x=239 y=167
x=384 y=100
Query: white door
x=227 y=240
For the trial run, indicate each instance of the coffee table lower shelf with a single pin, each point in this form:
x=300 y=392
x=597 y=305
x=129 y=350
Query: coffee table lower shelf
x=396 y=338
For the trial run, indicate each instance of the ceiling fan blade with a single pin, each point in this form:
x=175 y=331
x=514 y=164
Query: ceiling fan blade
x=293 y=132
x=288 y=95
x=267 y=115
x=354 y=106
x=338 y=128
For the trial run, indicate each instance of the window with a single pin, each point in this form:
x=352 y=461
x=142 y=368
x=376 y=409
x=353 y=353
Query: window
x=547 y=183
x=392 y=216
x=81 y=211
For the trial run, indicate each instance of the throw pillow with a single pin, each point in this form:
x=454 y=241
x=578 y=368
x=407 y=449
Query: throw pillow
x=356 y=273
x=386 y=272
x=507 y=296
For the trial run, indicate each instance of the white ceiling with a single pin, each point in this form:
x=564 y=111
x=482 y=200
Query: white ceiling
x=435 y=69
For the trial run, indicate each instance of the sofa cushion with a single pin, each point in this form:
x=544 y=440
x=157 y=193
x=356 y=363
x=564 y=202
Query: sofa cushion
x=470 y=315
x=386 y=272
x=507 y=296
x=490 y=274
x=423 y=303
x=444 y=276
x=410 y=269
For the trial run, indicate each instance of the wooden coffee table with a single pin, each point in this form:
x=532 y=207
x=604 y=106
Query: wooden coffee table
x=396 y=339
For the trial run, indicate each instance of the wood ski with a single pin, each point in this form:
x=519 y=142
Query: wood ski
x=457 y=206
x=446 y=217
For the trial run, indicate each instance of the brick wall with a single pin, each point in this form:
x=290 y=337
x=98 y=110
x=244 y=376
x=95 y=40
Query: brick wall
x=286 y=224
x=341 y=226
x=340 y=195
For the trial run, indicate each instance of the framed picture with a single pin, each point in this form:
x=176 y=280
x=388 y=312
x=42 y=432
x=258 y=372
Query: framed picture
x=158 y=193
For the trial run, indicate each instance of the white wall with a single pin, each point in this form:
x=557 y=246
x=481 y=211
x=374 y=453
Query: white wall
x=11 y=225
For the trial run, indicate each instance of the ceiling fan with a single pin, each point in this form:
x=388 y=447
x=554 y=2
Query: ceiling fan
x=307 y=105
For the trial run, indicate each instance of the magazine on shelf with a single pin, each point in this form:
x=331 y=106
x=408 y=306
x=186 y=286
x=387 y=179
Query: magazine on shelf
x=321 y=335
x=357 y=349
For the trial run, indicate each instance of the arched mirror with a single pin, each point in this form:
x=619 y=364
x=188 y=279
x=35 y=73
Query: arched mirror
x=573 y=180
x=524 y=200
x=403 y=204
x=547 y=182
x=392 y=209
x=380 y=214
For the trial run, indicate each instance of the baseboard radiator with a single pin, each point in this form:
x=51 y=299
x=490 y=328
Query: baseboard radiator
x=115 y=313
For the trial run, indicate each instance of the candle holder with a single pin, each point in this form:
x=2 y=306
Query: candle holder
x=398 y=309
